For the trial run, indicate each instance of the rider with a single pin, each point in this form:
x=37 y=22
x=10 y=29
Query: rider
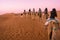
x=34 y=12
x=46 y=13
x=52 y=18
x=29 y=12
x=25 y=12
x=40 y=13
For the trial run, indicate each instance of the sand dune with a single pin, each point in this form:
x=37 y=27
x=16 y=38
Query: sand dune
x=17 y=27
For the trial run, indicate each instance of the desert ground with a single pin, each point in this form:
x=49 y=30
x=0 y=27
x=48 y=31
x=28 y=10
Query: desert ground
x=21 y=27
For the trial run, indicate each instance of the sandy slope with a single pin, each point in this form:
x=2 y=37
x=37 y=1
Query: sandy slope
x=17 y=27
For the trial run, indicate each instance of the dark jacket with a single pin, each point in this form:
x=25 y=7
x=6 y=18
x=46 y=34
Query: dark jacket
x=53 y=14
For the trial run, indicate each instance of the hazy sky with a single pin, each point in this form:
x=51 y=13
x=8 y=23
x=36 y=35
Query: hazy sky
x=20 y=5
